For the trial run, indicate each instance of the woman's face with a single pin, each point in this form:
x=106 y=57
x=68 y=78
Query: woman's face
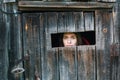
x=69 y=39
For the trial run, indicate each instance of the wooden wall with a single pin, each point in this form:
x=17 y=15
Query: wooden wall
x=31 y=34
x=90 y=62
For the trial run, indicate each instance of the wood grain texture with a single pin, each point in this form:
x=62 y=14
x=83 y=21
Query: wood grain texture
x=61 y=6
x=86 y=63
x=67 y=64
x=103 y=19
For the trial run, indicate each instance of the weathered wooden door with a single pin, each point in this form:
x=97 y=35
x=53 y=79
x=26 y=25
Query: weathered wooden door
x=84 y=62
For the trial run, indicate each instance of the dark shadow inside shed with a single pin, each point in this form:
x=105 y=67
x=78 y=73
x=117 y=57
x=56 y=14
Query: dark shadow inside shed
x=88 y=38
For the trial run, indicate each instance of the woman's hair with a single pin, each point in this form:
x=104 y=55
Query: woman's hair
x=79 y=39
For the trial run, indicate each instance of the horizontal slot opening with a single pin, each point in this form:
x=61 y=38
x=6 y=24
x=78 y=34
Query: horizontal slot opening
x=82 y=38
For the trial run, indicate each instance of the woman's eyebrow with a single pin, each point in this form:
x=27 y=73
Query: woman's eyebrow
x=65 y=36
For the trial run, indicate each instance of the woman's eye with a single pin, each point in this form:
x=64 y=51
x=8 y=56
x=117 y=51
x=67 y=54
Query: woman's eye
x=65 y=37
x=73 y=37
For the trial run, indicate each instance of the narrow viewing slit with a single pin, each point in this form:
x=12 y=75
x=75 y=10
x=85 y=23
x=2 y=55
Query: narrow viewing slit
x=68 y=39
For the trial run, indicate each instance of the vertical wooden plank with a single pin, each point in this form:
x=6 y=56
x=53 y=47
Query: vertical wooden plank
x=61 y=22
x=50 y=55
x=70 y=22
x=117 y=30
x=86 y=63
x=4 y=30
x=115 y=48
x=36 y=47
x=67 y=63
x=79 y=21
x=15 y=45
x=51 y=27
x=3 y=50
x=103 y=41
x=113 y=53
x=27 y=45
x=66 y=22
x=52 y=65
x=89 y=21
x=25 y=29
x=42 y=44
x=32 y=46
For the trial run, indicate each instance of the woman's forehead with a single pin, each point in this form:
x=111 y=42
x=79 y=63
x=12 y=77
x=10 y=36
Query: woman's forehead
x=69 y=34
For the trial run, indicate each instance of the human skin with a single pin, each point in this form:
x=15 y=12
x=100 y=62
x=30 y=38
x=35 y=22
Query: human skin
x=69 y=39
